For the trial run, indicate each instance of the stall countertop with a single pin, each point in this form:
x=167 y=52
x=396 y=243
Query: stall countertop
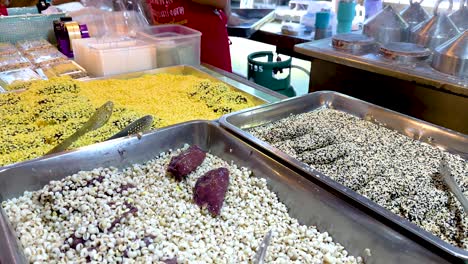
x=274 y=27
x=422 y=74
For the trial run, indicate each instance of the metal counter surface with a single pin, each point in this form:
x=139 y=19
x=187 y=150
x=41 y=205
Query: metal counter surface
x=421 y=73
x=255 y=19
x=310 y=202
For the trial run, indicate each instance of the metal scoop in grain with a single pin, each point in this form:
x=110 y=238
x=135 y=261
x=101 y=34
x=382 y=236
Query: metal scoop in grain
x=97 y=120
x=138 y=126
x=262 y=250
x=449 y=181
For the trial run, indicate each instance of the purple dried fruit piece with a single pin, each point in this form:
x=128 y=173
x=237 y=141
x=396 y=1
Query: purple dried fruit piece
x=125 y=187
x=170 y=261
x=75 y=241
x=149 y=239
x=211 y=189
x=183 y=164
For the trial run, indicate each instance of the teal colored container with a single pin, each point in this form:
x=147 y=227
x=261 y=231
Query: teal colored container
x=345 y=16
x=264 y=72
x=322 y=19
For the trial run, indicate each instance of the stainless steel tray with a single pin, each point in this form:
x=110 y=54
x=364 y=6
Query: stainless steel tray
x=312 y=204
x=255 y=18
x=445 y=139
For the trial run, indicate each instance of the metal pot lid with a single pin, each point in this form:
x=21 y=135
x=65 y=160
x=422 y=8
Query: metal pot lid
x=387 y=20
x=436 y=30
x=354 y=43
x=452 y=56
x=404 y=48
x=414 y=13
x=460 y=17
x=403 y=51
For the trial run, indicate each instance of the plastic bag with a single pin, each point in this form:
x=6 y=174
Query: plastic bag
x=107 y=18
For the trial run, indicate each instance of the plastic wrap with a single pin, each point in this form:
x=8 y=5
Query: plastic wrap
x=11 y=80
x=13 y=61
x=45 y=56
x=31 y=45
x=7 y=48
x=67 y=68
x=111 y=18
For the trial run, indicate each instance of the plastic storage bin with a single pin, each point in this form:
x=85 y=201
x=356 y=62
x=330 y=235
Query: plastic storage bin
x=175 y=44
x=103 y=57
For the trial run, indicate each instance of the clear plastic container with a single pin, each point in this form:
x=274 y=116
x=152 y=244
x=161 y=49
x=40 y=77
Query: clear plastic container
x=175 y=44
x=109 y=56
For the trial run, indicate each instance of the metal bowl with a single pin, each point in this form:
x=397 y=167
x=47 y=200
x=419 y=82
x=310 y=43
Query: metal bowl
x=452 y=56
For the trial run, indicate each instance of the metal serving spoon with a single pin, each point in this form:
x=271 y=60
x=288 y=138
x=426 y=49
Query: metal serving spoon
x=448 y=179
x=261 y=252
x=97 y=120
x=137 y=126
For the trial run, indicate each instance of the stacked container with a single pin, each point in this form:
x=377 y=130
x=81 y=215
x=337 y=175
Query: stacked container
x=152 y=47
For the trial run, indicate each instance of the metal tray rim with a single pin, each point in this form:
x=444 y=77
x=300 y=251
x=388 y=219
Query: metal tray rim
x=398 y=220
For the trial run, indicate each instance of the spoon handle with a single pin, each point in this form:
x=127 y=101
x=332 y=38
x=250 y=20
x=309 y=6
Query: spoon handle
x=452 y=185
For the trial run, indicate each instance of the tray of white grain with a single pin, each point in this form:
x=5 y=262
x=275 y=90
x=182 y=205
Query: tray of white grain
x=383 y=160
x=116 y=202
x=114 y=55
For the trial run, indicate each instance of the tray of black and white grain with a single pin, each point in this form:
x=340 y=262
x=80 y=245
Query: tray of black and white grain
x=378 y=158
x=147 y=199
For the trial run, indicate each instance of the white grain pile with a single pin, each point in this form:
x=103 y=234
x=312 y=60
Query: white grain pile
x=168 y=224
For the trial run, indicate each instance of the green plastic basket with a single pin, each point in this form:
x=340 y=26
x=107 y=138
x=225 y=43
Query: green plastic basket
x=26 y=27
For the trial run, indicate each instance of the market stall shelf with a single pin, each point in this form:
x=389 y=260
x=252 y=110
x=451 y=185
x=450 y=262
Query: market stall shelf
x=311 y=204
x=340 y=110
